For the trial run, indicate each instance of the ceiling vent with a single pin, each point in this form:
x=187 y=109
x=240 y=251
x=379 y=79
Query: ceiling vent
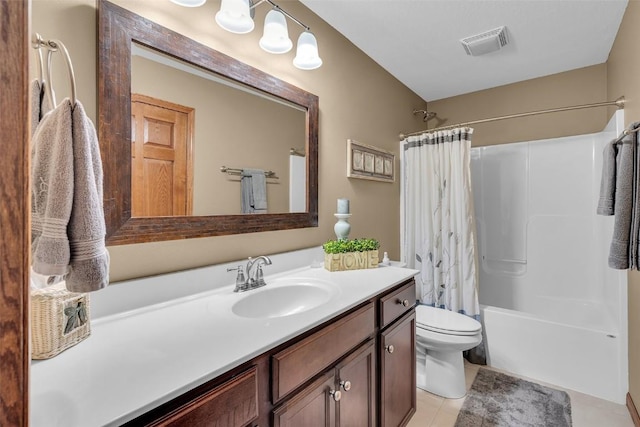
x=486 y=42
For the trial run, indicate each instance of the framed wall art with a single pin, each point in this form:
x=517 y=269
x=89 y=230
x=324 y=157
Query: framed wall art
x=368 y=162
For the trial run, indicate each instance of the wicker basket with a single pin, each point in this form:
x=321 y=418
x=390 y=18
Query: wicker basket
x=59 y=319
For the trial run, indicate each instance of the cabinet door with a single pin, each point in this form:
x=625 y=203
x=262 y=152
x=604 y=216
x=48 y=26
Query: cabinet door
x=398 y=372
x=313 y=406
x=356 y=380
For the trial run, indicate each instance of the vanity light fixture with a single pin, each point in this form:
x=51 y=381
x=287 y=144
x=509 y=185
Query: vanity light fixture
x=236 y=16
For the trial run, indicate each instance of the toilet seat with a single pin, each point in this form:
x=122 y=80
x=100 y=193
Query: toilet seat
x=445 y=321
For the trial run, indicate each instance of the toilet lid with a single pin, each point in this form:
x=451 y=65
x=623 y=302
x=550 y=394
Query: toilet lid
x=445 y=321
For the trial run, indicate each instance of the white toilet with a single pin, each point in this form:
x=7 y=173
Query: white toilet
x=441 y=337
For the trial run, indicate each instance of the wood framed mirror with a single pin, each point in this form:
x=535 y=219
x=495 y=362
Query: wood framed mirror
x=121 y=31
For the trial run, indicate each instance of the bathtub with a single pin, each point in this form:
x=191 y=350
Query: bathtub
x=577 y=353
x=551 y=308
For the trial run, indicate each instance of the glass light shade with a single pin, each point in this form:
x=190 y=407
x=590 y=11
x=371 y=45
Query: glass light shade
x=307 y=57
x=275 y=38
x=189 y=3
x=235 y=16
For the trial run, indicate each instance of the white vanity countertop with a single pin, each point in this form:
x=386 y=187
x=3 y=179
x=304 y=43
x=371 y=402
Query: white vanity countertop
x=134 y=361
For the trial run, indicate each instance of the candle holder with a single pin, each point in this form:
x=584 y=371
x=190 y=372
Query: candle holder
x=342 y=227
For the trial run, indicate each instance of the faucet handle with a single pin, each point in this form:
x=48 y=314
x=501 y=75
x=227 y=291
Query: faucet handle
x=241 y=284
x=259 y=277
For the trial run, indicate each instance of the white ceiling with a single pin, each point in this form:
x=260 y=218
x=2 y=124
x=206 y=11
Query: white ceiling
x=418 y=41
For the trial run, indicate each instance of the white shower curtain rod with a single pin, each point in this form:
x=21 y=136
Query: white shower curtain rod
x=618 y=103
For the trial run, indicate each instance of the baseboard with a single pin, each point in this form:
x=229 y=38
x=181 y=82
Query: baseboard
x=633 y=411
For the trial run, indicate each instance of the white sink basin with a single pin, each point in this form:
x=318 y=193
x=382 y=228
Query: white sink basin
x=284 y=297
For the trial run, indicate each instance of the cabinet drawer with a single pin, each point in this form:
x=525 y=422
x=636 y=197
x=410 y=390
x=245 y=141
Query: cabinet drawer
x=397 y=303
x=232 y=404
x=301 y=361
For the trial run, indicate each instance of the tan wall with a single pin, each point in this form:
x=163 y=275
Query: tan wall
x=358 y=100
x=623 y=76
x=577 y=87
x=233 y=128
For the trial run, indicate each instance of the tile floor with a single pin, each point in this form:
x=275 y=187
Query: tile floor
x=587 y=411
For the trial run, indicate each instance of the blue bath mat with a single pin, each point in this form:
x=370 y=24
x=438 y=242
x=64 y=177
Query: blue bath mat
x=499 y=400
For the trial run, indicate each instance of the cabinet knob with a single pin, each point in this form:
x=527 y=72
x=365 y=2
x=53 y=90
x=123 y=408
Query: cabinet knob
x=346 y=385
x=336 y=394
x=389 y=349
x=404 y=302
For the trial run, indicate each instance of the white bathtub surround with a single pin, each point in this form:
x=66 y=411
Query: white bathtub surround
x=158 y=337
x=552 y=308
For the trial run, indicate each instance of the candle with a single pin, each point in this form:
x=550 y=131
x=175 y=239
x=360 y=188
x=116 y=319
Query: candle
x=343 y=206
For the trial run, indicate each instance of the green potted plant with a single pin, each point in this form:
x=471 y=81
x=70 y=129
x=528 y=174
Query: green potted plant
x=345 y=254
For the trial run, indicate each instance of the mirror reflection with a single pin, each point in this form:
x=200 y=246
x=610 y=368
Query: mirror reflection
x=177 y=210
x=204 y=145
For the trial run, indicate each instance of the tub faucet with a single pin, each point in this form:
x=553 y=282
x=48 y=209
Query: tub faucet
x=255 y=276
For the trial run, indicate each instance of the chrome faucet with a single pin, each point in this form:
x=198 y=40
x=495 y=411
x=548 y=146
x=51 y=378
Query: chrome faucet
x=254 y=278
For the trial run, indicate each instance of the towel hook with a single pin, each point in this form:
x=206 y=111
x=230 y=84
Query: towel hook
x=37 y=44
x=55 y=45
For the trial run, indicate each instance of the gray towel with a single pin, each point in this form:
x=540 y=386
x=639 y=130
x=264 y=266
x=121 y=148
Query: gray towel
x=606 y=202
x=39 y=106
x=67 y=214
x=89 y=267
x=625 y=222
x=634 y=262
x=254 y=191
x=51 y=191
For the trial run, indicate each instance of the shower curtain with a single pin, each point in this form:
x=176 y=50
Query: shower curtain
x=439 y=227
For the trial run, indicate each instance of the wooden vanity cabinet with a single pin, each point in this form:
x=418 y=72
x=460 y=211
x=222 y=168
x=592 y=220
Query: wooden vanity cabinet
x=342 y=396
x=356 y=370
x=398 y=372
x=345 y=390
x=231 y=403
x=397 y=356
x=356 y=380
x=380 y=375
x=301 y=361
